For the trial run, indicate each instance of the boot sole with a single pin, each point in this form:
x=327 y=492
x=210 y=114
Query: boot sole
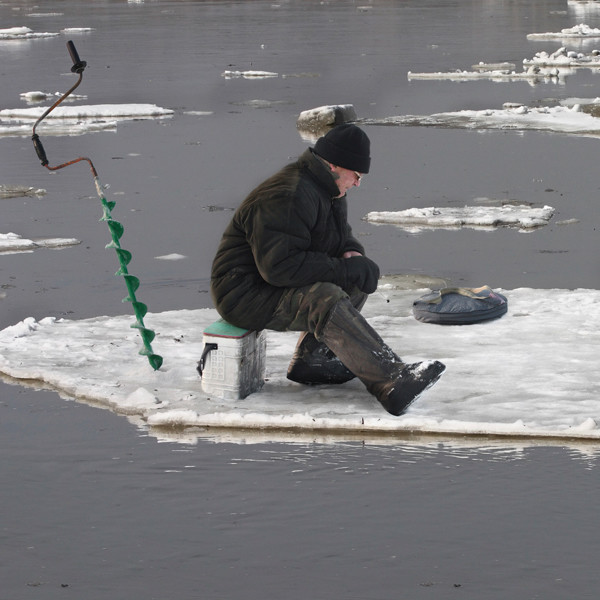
x=413 y=381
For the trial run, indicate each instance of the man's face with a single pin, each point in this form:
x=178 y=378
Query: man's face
x=345 y=178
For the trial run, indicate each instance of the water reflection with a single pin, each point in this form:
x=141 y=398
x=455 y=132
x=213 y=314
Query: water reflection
x=307 y=451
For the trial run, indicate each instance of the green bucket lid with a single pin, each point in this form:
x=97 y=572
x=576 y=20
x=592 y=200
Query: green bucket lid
x=222 y=328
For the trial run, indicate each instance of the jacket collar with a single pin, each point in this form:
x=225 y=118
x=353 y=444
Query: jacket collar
x=319 y=171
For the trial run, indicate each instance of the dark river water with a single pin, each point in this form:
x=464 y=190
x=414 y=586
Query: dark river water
x=94 y=506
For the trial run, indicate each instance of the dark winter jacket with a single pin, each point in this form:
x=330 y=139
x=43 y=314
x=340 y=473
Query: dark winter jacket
x=290 y=231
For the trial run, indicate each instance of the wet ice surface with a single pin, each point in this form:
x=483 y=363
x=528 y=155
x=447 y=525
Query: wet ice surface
x=513 y=376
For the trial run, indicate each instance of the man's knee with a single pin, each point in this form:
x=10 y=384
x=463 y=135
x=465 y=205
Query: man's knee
x=318 y=303
x=307 y=308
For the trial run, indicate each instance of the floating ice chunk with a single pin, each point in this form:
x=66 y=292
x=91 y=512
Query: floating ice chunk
x=39 y=96
x=564 y=119
x=121 y=111
x=248 y=74
x=520 y=216
x=77 y=30
x=22 y=33
x=534 y=73
x=199 y=113
x=578 y=31
x=316 y=121
x=58 y=127
x=34 y=96
x=565 y=58
x=11 y=242
x=17 y=191
x=15 y=31
x=173 y=256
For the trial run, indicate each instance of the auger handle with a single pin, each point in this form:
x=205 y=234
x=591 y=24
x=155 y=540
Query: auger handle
x=39 y=148
x=78 y=67
x=78 y=64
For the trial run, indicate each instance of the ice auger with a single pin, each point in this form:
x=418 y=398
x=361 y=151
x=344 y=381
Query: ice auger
x=116 y=228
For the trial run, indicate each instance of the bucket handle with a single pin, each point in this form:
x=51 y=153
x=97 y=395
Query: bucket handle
x=207 y=348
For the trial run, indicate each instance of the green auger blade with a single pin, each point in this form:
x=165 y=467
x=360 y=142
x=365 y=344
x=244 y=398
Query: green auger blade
x=147 y=336
x=107 y=206
x=124 y=260
x=140 y=310
x=155 y=361
x=116 y=230
x=132 y=283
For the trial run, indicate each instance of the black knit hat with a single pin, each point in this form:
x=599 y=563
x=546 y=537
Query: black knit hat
x=346 y=146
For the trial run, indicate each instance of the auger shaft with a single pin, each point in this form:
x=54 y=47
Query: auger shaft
x=116 y=229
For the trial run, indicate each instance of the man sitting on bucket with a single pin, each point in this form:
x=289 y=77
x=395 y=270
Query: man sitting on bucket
x=288 y=261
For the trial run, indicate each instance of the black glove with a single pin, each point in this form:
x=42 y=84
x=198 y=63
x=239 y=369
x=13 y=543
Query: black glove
x=362 y=272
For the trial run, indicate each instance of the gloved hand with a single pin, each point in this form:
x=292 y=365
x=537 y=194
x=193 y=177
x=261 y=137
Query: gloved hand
x=362 y=272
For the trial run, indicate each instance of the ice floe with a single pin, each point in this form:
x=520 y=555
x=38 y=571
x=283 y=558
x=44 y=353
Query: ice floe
x=173 y=256
x=563 y=57
x=513 y=376
x=314 y=122
x=11 y=242
x=115 y=111
x=39 y=96
x=16 y=191
x=71 y=30
x=524 y=218
x=578 y=31
x=75 y=120
x=531 y=73
x=248 y=74
x=563 y=119
x=57 y=127
x=23 y=33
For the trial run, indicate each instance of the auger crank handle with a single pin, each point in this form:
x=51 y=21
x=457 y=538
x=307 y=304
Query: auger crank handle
x=78 y=64
x=37 y=144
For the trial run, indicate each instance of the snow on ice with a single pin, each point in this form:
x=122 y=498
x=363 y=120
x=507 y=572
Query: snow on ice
x=22 y=33
x=562 y=119
x=11 y=242
x=119 y=111
x=534 y=72
x=25 y=33
x=39 y=96
x=75 y=120
x=523 y=217
x=565 y=58
x=513 y=376
x=248 y=74
x=16 y=191
x=581 y=31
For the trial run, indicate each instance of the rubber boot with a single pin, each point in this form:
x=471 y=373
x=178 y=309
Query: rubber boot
x=314 y=363
x=396 y=385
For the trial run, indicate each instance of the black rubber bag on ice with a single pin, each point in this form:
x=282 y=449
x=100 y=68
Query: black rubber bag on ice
x=460 y=306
